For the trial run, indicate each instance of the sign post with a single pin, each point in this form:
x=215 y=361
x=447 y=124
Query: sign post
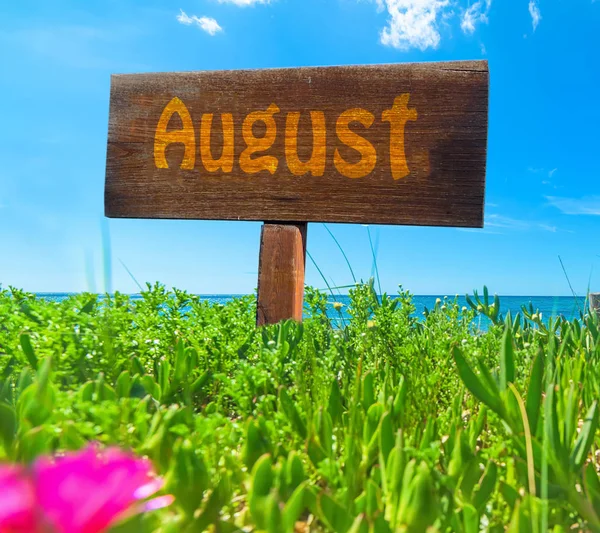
x=281 y=272
x=379 y=144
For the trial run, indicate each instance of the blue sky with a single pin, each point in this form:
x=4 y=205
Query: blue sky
x=543 y=177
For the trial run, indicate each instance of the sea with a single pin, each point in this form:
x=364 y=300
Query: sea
x=549 y=306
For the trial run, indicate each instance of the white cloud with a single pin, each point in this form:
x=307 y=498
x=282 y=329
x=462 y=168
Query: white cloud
x=500 y=221
x=486 y=231
x=587 y=205
x=243 y=3
x=476 y=13
x=183 y=18
x=496 y=224
x=551 y=173
x=209 y=25
x=412 y=23
x=417 y=23
x=534 y=11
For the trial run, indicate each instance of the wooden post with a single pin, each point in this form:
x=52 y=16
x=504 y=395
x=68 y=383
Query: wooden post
x=422 y=163
x=281 y=272
x=595 y=302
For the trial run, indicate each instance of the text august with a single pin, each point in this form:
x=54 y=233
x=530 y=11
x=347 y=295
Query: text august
x=253 y=158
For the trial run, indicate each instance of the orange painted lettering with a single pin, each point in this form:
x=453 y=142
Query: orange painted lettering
x=185 y=136
x=354 y=140
x=398 y=116
x=259 y=144
x=316 y=164
x=225 y=162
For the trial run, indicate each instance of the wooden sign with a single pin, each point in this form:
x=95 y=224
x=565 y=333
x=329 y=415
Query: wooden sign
x=381 y=144
x=390 y=144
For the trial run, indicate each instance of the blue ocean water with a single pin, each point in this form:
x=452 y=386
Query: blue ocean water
x=567 y=306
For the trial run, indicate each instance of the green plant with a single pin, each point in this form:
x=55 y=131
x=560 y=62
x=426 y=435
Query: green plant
x=387 y=422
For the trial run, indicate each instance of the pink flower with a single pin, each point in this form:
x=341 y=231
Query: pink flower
x=86 y=491
x=17 y=500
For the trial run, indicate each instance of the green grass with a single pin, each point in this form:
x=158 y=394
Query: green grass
x=388 y=424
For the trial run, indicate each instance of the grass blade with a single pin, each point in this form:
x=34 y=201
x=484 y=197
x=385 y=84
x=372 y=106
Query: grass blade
x=534 y=392
x=507 y=359
x=373 y=252
x=472 y=383
x=25 y=341
x=586 y=437
x=341 y=250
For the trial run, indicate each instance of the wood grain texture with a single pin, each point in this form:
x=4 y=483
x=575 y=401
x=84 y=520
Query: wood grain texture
x=281 y=273
x=445 y=147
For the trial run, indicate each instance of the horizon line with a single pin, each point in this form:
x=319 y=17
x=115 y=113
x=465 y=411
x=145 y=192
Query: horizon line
x=437 y=295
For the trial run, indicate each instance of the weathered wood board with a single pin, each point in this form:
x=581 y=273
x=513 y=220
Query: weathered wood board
x=281 y=273
x=381 y=144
